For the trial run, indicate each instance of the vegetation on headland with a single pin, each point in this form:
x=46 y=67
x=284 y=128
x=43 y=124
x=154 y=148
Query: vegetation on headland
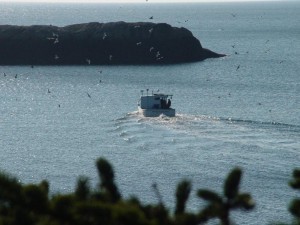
x=29 y=204
x=113 y=43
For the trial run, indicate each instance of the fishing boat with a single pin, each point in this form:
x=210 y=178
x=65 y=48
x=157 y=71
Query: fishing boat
x=155 y=104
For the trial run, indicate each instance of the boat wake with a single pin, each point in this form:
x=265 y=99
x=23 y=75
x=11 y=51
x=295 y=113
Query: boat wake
x=263 y=123
x=183 y=127
x=181 y=120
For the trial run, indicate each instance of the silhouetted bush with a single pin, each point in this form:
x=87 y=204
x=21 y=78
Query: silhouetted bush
x=294 y=207
x=31 y=204
x=220 y=207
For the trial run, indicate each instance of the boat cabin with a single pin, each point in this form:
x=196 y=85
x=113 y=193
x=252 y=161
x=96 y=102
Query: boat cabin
x=155 y=105
x=155 y=101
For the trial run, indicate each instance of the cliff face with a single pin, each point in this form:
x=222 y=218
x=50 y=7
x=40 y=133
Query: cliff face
x=99 y=43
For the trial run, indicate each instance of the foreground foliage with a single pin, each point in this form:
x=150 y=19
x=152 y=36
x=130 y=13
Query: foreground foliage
x=295 y=204
x=31 y=204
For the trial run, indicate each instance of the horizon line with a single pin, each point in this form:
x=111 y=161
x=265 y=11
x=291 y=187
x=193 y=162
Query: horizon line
x=137 y=1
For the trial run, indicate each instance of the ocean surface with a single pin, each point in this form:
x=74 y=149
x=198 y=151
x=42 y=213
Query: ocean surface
x=241 y=110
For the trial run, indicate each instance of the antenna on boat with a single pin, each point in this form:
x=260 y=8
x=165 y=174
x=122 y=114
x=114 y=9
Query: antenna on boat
x=147 y=91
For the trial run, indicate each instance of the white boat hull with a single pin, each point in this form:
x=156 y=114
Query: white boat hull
x=157 y=112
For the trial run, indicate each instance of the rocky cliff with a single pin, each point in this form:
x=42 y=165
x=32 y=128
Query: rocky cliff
x=99 y=43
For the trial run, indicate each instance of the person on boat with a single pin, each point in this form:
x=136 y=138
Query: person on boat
x=163 y=103
x=169 y=103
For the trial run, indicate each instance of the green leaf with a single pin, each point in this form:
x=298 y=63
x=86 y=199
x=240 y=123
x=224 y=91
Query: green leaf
x=62 y=207
x=295 y=183
x=106 y=174
x=209 y=196
x=231 y=187
x=245 y=201
x=36 y=198
x=82 y=189
x=296 y=173
x=10 y=189
x=105 y=170
x=295 y=208
x=182 y=194
x=44 y=185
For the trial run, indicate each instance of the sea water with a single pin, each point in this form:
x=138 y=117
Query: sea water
x=241 y=110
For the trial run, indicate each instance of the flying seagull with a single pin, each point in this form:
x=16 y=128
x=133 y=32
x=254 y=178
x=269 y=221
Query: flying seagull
x=56 y=41
x=104 y=36
x=157 y=54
